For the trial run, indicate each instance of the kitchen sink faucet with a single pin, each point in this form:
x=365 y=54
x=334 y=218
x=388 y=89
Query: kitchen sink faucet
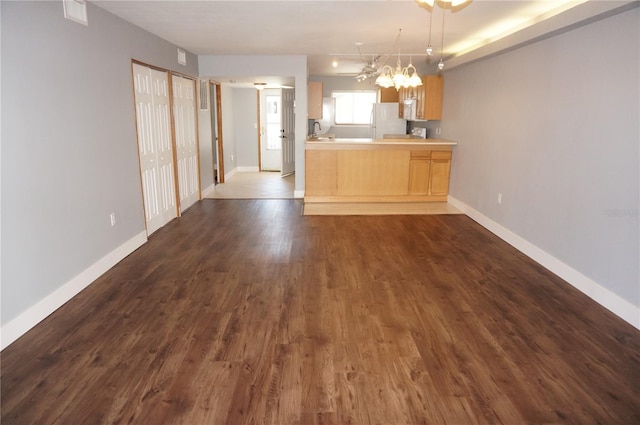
x=314 y=127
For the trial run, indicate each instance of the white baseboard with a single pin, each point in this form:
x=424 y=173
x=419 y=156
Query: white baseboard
x=298 y=194
x=43 y=308
x=613 y=302
x=230 y=174
x=208 y=191
x=248 y=169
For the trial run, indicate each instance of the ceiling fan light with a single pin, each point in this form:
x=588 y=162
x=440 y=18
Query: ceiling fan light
x=429 y=2
x=455 y=3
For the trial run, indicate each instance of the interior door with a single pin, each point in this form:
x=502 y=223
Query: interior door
x=288 y=132
x=270 y=130
x=153 y=125
x=184 y=116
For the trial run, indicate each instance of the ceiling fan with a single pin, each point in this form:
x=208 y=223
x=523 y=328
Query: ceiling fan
x=369 y=67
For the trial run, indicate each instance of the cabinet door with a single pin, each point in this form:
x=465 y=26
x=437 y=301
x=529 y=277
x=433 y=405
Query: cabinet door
x=432 y=97
x=419 y=172
x=402 y=95
x=419 y=176
x=389 y=95
x=439 y=173
x=314 y=104
x=420 y=96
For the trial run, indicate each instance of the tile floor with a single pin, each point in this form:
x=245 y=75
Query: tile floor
x=255 y=185
x=270 y=185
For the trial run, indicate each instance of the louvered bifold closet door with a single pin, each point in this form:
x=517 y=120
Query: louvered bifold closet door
x=184 y=115
x=151 y=88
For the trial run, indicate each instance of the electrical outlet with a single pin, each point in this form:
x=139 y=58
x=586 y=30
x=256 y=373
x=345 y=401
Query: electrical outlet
x=438 y=131
x=112 y=217
x=500 y=198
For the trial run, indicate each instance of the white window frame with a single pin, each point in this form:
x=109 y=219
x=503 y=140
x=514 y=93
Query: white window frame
x=354 y=92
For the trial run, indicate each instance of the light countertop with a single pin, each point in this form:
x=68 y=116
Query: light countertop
x=361 y=141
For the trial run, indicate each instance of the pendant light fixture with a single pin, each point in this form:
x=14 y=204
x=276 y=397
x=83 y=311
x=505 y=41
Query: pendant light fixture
x=400 y=77
x=431 y=3
x=454 y=3
x=429 y=46
x=441 y=63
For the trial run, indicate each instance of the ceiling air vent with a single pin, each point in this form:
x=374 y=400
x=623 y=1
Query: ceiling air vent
x=182 y=57
x=76 y=10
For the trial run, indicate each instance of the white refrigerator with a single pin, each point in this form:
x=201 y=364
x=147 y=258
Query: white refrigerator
x=384 y=120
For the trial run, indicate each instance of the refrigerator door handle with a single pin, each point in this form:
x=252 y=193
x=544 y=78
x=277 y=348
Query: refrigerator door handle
x=372 y=123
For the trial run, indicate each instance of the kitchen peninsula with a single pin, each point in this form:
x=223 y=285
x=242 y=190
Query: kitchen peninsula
x=377 y=170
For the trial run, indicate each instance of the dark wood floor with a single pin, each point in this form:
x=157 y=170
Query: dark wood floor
x=244 y=312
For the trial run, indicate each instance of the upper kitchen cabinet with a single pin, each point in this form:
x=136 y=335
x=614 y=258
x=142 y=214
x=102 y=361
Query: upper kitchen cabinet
x=388 y=95
x=432 y=97
x=314 y=108
x=428 y=98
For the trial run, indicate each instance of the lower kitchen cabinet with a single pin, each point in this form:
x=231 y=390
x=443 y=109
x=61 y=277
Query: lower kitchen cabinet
x=429 y=173
x=377 y=172
x=439 y=173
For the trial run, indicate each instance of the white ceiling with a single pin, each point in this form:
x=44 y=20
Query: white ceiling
x=326 y=29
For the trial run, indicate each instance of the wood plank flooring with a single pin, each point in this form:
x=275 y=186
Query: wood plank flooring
x=246 y=312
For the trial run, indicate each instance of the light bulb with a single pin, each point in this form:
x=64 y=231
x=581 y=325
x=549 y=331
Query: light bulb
x=441 y=65
x=429 y=49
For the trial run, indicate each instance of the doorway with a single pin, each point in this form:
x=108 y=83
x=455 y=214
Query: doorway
x=216 y=132
x=271 y=124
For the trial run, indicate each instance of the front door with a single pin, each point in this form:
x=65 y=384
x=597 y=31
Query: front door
x=270 y=141
x=288 y=132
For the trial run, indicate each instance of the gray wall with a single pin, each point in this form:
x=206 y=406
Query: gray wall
x=69 y=153
x=245 y=117
x=553 y=126
x=228 y=130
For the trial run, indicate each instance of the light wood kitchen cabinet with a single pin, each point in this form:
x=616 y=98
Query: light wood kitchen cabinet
x=439 y=173
x=377 y=171
x=431 y=107
x=429 y=173
x=314 y=100
x=388 y=95
x=419 y=172
x=428 y=98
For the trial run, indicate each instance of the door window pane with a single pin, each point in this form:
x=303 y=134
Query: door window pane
x=273 y=122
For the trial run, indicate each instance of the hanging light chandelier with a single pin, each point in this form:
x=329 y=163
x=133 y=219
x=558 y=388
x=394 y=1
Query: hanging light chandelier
x=454 y=3
x=400 y=77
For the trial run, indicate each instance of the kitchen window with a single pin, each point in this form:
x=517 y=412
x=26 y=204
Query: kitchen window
x=353 y=107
